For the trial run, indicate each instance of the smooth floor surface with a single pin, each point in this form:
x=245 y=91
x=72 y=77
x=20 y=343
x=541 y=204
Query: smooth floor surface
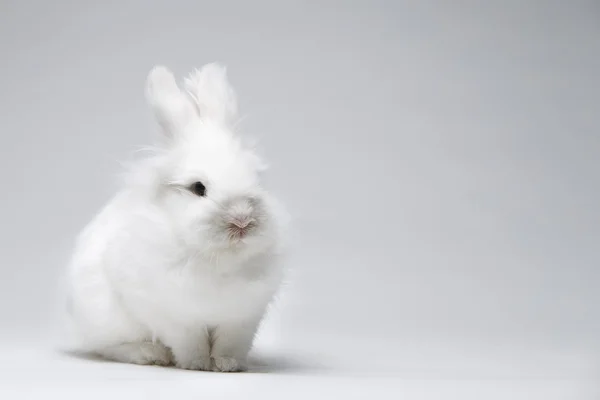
x=36 y=372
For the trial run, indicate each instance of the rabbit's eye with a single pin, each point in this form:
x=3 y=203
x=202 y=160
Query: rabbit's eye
x=198 y=189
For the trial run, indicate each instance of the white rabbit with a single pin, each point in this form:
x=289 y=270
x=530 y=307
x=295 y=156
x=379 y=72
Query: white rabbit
x=181 y=265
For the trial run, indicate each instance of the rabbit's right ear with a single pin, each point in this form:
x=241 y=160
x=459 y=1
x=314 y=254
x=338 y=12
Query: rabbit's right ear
x=172 y=108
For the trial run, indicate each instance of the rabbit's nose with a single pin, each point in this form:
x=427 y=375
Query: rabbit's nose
x=241 y=223
x=240 y=226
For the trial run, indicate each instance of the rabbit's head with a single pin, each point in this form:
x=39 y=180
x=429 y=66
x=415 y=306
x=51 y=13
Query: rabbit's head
x=202 y=178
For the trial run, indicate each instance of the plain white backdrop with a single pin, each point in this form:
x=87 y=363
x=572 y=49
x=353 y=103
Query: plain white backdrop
x=441 y=161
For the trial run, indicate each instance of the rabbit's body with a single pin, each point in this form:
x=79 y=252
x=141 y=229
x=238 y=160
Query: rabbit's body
x=163 y=275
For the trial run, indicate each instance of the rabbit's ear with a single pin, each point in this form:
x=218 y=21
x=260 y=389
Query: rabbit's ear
x=173 y=109
x=214 y=96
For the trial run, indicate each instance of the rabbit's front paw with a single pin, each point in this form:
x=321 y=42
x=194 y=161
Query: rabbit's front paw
x=227 y=364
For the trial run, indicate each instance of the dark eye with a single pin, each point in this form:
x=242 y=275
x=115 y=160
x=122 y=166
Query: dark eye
x=198 y=189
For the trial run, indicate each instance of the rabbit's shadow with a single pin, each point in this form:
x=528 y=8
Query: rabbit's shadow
x=257 y=362
x=271 y=363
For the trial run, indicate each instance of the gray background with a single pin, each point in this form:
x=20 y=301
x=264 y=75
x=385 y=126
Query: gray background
x=440 y=160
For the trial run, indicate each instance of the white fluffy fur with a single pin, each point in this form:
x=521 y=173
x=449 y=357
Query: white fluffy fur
x=154 y=278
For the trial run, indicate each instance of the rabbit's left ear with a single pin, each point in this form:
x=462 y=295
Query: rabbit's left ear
x=213 y=95
x=172 y=108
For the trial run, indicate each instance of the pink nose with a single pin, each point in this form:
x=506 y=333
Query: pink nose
x=241 y=223
x=239 y=227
